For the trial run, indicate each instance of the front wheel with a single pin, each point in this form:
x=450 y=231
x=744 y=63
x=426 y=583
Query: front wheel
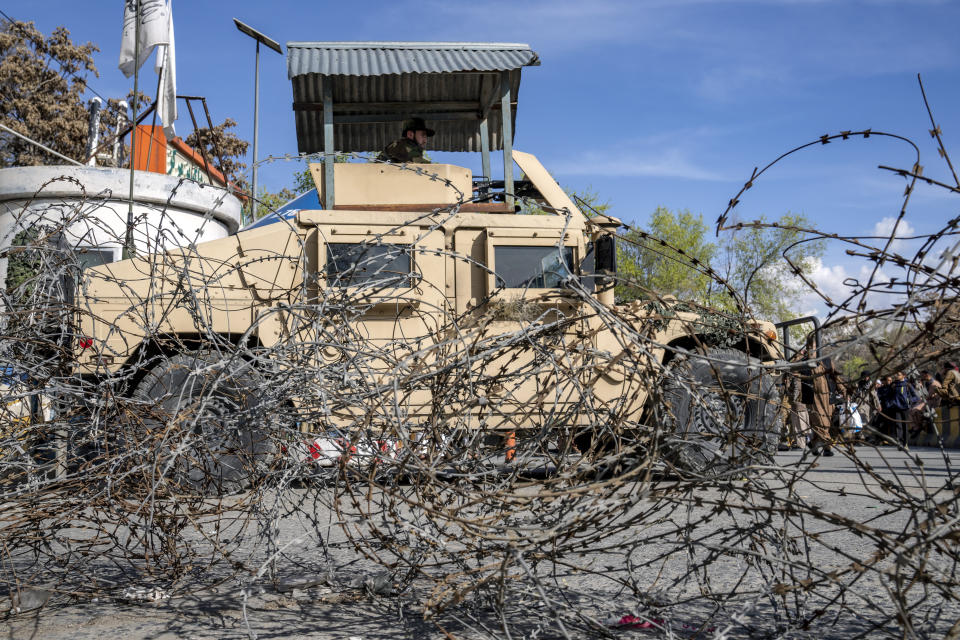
x=203 y=424
x=719 y=412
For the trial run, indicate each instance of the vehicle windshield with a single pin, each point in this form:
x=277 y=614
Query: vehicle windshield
x=353 y=264
x=532 y=267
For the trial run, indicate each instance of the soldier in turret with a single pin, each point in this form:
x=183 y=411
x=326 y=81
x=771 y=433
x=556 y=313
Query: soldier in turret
x=409 y=148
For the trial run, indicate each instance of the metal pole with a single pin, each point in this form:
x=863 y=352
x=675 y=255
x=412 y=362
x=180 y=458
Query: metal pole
x=256 y=132
x=115 y=151
x=485 y=148
x=37 y=144
x=154 y=123
x=203 y=143
x=213 y=141
x=128 y=250
x=506 y=128
x=259 y=37
x=93 y=132
x=328 y=156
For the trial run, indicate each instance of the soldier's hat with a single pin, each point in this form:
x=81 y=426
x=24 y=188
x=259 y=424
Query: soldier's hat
x=416 y=124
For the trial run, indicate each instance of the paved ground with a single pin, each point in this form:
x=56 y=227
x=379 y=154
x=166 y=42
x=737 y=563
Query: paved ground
x=308 y=606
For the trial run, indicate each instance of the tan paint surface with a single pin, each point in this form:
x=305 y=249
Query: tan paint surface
x=247 y=284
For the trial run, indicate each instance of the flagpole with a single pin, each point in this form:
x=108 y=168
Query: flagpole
x=256 y=131
x=156 y=105
x=273 y=44
x=128 y=248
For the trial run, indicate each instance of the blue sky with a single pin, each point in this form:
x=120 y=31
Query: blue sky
x=649 y=103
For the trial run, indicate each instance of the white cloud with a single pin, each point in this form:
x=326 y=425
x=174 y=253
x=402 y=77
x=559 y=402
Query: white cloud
x=666 y=163
x=839 y=282
x=725 y=83
x=667 y=154
x=829 y=280
x=884 y=228
x=716 y=50
x=551 y=24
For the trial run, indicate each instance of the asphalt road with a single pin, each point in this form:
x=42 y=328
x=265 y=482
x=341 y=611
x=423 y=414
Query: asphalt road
x=308 y=604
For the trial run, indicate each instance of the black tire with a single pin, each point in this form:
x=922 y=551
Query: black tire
x=203 y=424
x=719 y=412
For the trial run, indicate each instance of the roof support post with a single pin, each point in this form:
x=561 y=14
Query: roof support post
x=506 y=128
x=485 y=148
x=328 y=145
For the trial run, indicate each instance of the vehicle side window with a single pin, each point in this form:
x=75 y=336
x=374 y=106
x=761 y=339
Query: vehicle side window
x=532 y=267
x=95 y=256
x=351 y=264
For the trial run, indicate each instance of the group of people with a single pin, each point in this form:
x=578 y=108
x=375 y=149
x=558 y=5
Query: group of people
x=900 y=406
x=823 y=410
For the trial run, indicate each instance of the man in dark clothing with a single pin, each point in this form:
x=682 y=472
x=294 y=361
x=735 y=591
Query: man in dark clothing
x=409 y=148
x=903 y=398
x=885 y=418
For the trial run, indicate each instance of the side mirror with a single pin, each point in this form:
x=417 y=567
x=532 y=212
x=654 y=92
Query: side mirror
x=605 y=248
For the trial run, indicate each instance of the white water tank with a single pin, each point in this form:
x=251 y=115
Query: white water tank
x=89 y=206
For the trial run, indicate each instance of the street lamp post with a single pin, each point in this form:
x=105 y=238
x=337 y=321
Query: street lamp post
x=273 y=44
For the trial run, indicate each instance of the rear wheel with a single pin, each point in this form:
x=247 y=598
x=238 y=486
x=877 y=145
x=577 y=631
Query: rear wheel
x=203 y=424
x=719 y=411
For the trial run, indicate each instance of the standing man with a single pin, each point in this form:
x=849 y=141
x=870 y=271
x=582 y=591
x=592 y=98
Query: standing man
x=933 y=389
x=885 y=421
x=867 y=400
x=796 y=414
x=929 y=418
x=950 y=390
x=409 y=147
x=903 y=398
x=821 y=411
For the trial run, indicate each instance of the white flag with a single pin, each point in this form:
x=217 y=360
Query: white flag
x=156 y=32
x=166 y=66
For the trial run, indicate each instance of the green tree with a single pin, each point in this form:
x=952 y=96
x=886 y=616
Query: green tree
x=24 y=262
x=589 y=201
x=303 y=180
x=752 y=262
x=269 y=202
x=675 y=255
x=42 y=81
x=852 y=367
x=666 y=258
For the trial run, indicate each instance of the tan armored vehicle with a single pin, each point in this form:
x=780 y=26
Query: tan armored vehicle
x=420 y=300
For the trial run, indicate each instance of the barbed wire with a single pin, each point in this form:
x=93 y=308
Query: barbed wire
x=537 y=463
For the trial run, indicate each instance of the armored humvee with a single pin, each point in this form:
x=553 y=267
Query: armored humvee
x=418 y=298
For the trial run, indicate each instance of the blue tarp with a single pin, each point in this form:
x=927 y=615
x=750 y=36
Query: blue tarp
x=306 y=200
x=10 y=375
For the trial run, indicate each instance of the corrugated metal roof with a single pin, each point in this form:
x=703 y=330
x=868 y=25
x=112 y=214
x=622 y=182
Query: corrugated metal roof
x=376 y=85
x=388 y=58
